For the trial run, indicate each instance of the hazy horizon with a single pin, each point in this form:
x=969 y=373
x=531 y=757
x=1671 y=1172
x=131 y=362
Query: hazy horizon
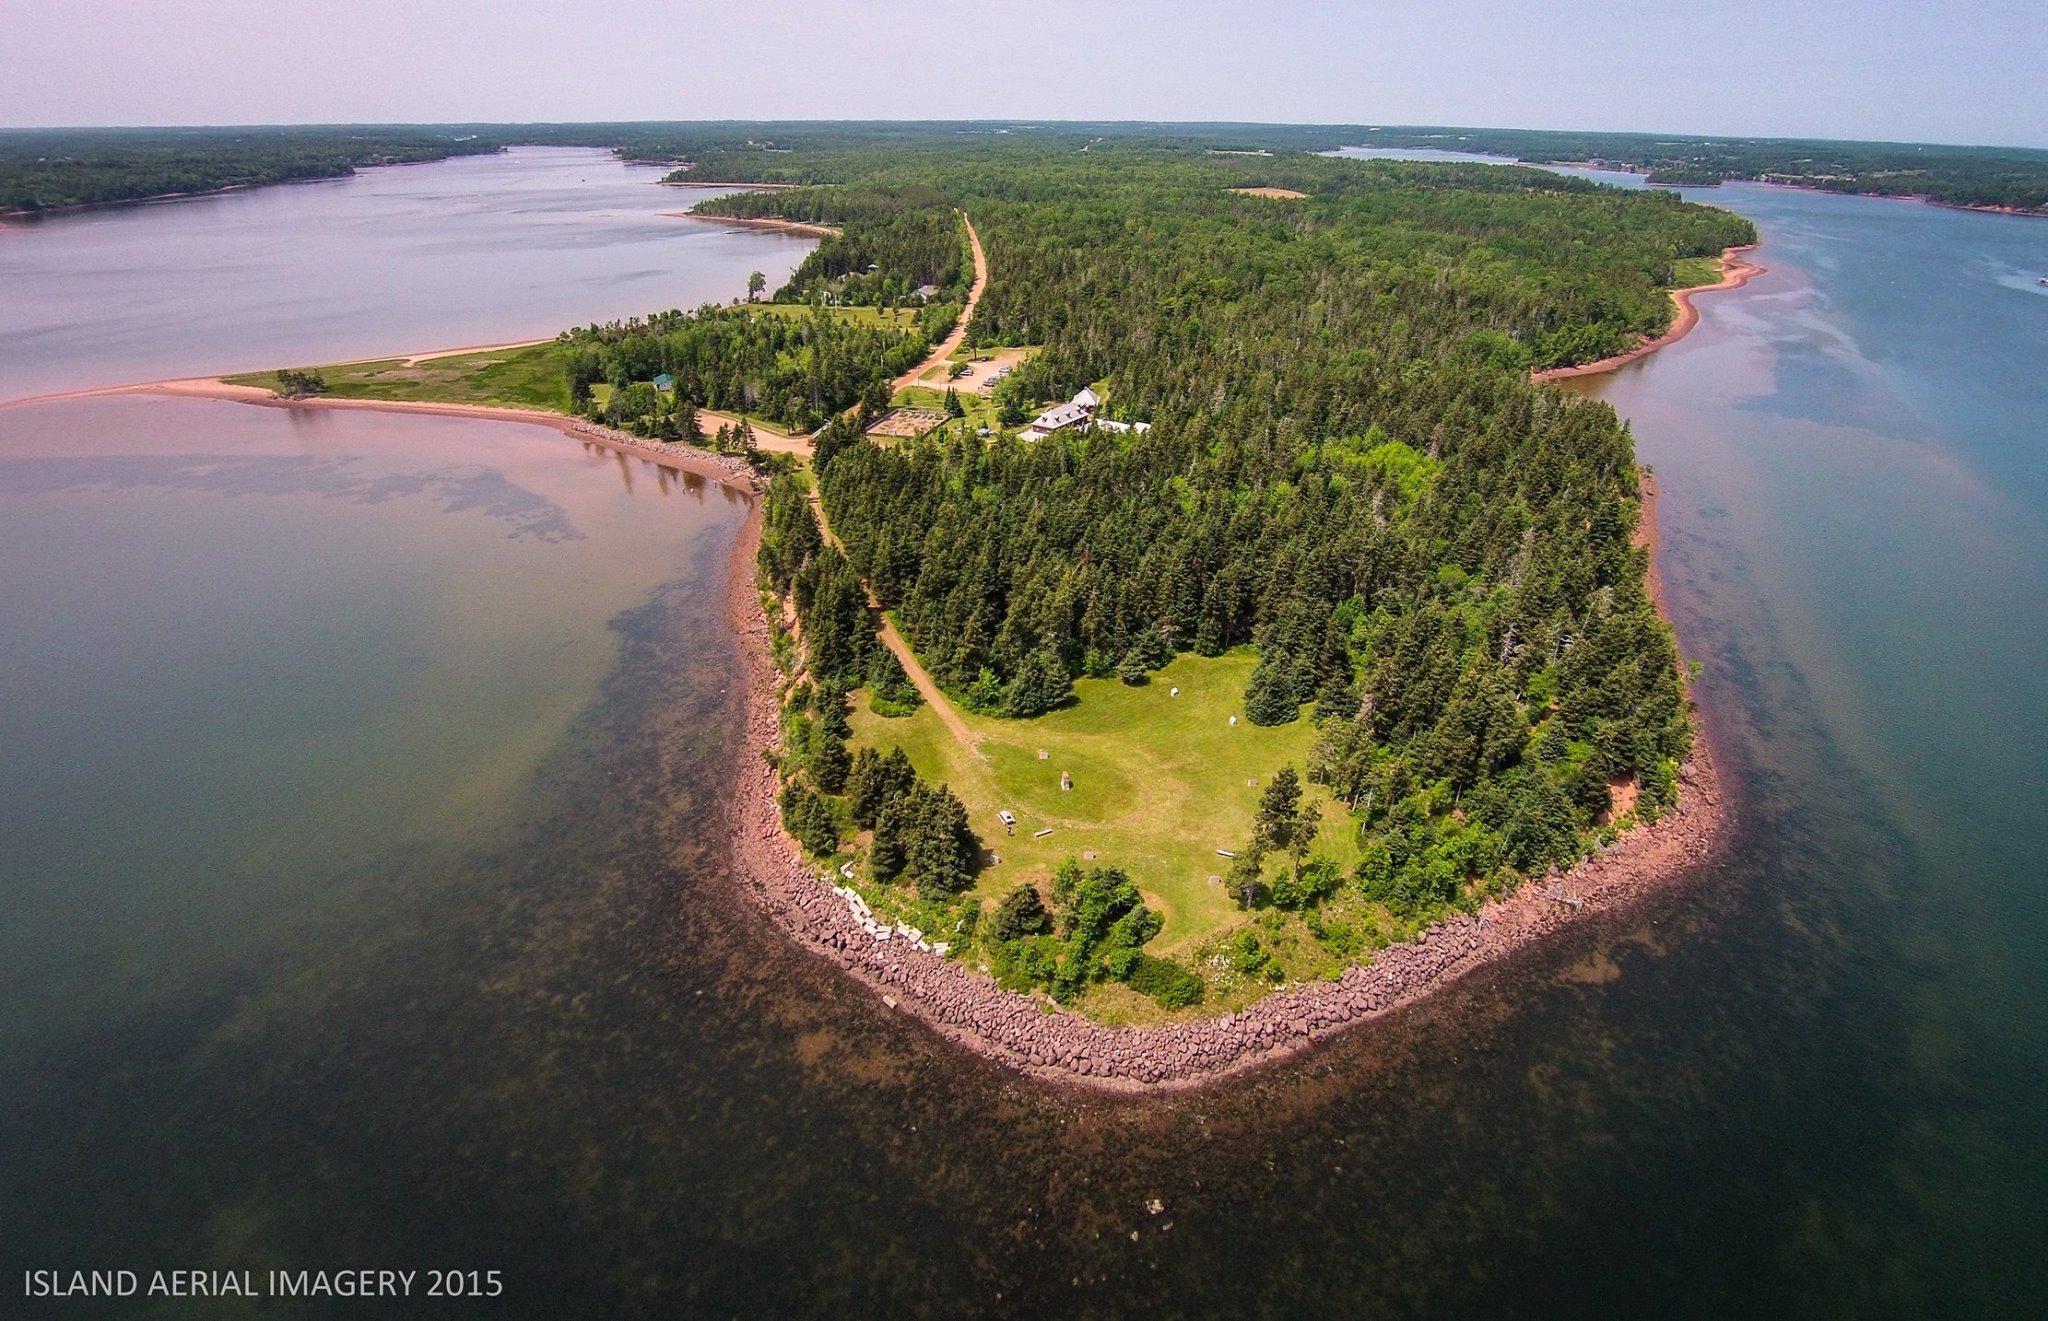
x=1890 y=72
x=1662 y=131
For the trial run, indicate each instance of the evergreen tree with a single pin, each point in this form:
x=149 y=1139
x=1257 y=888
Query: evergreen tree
x=886 y=855
x=1040 y=685
x=1279 y=811
x=1022 y=913
x=939 y=850
x=1269 y=699
x=809 y=818
x=830 y=764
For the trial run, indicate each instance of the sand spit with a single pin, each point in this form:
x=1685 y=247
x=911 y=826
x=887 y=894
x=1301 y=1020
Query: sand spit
x=763 y=222
x=727 y=469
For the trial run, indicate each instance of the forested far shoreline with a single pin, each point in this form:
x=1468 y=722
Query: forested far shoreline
x=64 y=169
x=49 y=169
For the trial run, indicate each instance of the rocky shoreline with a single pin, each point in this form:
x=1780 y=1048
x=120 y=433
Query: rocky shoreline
x=1038 y=1039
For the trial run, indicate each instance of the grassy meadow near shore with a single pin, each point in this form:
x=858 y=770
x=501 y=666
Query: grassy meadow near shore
x=524 y=375
x=533 y=376
x=1162 y=779
x=1693 y=272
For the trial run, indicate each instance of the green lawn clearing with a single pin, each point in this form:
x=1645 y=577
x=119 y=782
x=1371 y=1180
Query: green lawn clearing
x=978 y=411
x=530 y=377
x=1692 y=272
x=1160 y=784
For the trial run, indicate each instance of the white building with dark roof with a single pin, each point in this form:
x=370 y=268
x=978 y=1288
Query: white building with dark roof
x=1081 y=408
x=1076 y=412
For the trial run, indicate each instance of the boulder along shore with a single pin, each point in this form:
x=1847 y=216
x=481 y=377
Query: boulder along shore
x=1036 y=1038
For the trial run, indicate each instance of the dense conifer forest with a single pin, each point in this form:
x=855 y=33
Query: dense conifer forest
x=1347 y=469
x=891 y=244
x=794 y=371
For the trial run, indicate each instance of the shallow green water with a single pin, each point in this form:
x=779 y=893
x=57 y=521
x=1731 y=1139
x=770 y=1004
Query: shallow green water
x=374 y=909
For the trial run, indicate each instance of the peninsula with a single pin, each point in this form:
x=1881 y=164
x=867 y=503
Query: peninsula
x=1180 y=626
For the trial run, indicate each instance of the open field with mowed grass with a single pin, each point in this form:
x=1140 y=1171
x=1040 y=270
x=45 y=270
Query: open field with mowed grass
x=1160 y=783
x=531 y=377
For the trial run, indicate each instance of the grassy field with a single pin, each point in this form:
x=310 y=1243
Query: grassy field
x=531 y=377
x=1692 y=272
x=902 y=319
x=1160 y=784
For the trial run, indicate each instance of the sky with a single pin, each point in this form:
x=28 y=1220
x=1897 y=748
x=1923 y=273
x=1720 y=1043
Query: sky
x=1916 y=70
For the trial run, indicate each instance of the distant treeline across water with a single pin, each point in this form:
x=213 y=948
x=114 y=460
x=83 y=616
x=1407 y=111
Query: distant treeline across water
x=47 y=169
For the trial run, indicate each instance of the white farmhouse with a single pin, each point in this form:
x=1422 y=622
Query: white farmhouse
x=1076 y=412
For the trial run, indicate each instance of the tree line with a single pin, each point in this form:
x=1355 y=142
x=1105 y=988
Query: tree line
x=45 y=169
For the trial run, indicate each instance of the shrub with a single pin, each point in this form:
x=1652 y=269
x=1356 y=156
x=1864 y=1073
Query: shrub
x=1167 y=982
x=1244 y=954
x=298 y=384
x=1306 y=886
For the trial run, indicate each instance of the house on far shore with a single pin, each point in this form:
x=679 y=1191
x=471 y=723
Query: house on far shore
x=665 y=383
x=1078 y=411
x=927 y=292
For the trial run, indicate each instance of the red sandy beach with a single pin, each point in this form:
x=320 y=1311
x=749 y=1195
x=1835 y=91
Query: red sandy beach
x=762 y=222
x=1735 y=272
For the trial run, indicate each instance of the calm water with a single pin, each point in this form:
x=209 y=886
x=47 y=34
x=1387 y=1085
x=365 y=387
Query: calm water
x=477 y=250
x=365 y=902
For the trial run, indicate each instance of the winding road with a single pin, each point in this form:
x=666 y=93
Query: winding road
x=948 y=346
x=920 y=678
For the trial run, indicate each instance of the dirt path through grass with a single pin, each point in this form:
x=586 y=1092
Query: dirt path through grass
x=920 y=678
